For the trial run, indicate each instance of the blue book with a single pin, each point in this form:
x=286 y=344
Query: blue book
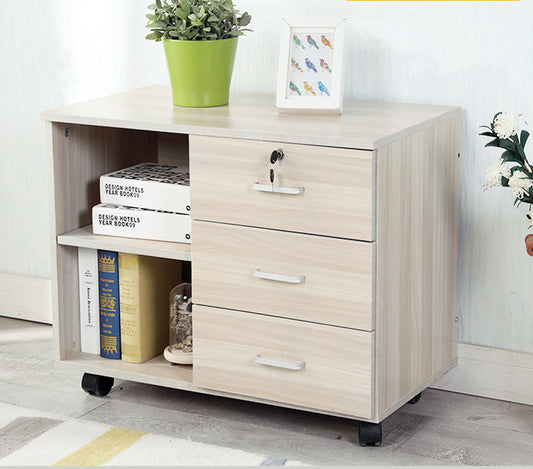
x=109 y=304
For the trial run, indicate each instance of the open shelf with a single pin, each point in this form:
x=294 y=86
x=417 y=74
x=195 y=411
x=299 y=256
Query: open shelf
x=156 y=371
x=84 y=238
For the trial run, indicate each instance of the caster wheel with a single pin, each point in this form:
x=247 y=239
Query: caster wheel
x=96 y=385
x=369 y=434
x=415 y=399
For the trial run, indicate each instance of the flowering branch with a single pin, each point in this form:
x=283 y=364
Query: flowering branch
x=504 y=133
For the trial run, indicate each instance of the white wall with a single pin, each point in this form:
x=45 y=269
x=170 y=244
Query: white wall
x=477 y=55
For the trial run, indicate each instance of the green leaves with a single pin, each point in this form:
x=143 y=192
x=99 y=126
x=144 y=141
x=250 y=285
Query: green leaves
x=523 y=138
x=511 y=157
x=493 y=143
x=195 y=20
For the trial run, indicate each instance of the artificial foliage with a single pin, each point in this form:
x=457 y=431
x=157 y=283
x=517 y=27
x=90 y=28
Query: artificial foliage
x=513 y=168
x=196 y=20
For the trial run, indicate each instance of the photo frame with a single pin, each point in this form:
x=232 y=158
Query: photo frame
x=311 y=65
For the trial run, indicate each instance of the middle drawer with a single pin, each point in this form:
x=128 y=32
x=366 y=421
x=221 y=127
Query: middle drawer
x=292 y=275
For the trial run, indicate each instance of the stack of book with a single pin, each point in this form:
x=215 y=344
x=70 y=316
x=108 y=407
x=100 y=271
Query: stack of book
x=146 y=201
x=124 y=298
x=124 y=303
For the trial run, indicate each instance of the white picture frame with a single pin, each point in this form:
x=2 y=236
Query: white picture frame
x=311 y=65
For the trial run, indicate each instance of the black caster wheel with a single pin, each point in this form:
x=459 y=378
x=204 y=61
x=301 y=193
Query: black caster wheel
x=369 y=434
x=415 y=399
x=96 y=385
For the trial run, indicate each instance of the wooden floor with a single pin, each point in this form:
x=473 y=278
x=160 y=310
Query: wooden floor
x=442 y=429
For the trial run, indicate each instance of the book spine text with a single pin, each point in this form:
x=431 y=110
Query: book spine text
x=109 y=304
x=89 y=300
x=129 y=307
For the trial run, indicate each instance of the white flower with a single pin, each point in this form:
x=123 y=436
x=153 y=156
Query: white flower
x=519 y=182
x=494 y=174
x=506 y=125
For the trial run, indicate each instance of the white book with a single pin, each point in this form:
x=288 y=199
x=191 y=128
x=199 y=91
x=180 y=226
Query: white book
x=142 y=223
x=148 y=185
x=89 y=300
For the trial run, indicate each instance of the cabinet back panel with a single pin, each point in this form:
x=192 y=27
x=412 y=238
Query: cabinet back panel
x=82 y=154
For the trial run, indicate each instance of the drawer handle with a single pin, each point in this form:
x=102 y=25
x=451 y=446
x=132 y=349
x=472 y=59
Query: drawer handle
x=279 y=364
x=278 y=277
x=278 y=189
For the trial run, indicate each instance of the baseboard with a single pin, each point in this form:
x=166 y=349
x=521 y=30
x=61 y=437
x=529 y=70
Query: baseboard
x=490 y=372
x=27 y=298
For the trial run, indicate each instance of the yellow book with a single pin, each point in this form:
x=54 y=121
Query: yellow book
x=144 y=286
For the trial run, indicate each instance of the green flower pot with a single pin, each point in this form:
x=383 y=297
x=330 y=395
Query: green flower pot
x=200 y=71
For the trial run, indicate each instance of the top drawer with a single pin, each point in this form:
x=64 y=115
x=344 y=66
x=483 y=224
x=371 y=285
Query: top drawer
x=328 y=190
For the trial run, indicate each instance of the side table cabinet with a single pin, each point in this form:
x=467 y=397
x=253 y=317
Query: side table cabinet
x=332 y=289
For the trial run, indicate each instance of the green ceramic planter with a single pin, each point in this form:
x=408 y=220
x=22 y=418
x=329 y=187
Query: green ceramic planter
x=200 y=71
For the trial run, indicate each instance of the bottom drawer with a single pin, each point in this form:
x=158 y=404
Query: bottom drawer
x=294 y=362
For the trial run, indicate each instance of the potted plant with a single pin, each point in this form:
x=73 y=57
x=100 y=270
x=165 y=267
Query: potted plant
x=200 y=41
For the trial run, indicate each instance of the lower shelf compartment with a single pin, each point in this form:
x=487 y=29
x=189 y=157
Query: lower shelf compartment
x=156 y=371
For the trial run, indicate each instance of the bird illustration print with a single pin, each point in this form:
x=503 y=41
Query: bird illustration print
x=294 y=88
x=311 y=41
x=323 y=88
x=310 y=65
x=296 y=65
x=308 y=88
x=326 y=42
x=324 y=65
x=297 y=41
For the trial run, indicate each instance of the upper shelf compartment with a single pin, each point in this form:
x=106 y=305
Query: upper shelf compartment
x=365 y=125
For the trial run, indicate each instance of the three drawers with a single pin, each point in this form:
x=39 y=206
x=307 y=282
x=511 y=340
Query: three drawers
x=328 y=191
x=311 y=278
x=283 y=273
x=294 y=362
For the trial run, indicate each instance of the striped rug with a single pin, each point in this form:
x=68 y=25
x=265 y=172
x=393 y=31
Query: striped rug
x=33 y=438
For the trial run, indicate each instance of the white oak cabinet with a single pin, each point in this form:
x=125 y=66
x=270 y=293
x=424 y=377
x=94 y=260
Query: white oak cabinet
x=332 y=289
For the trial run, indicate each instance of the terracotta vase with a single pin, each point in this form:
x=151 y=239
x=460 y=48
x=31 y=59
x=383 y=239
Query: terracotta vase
x=529 y=244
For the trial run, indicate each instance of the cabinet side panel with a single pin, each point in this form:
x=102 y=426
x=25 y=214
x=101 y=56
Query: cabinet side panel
x=80 y=155
x=417 y=261
x=446 y=244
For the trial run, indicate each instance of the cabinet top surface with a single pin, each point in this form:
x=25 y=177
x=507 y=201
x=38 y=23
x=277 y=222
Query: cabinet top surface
x=363 y=124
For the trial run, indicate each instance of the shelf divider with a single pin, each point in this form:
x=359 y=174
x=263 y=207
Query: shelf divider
x=84 y=238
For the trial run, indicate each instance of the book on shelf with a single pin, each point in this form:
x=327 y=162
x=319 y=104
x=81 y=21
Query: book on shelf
x=89 y=300
x=154 y=186
x=108 y=282
x=142 y=223
x=145 y=285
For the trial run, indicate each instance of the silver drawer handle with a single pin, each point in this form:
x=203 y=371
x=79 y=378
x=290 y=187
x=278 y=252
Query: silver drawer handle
x=278 y=189
x=279 y=364
x=278 y=277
